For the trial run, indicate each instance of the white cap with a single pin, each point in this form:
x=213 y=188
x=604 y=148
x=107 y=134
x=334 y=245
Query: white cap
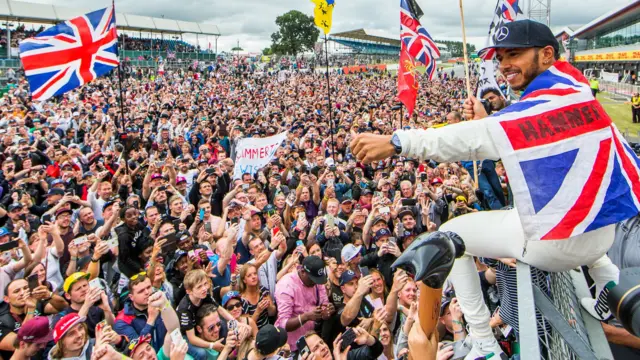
x=349 y=252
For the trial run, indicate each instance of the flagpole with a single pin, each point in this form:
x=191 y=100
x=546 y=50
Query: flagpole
x=326 y=57
x=401 y=108
x=467 y=77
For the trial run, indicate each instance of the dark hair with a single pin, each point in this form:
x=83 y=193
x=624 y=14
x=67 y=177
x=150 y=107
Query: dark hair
x=490 y=90
x=6 y=288
x=124 y=209
x=205 y=311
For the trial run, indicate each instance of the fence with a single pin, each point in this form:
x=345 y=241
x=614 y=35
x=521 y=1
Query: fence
x=620 y=90
x=574 y=335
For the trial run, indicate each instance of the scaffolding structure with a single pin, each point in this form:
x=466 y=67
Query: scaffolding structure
x=540 y=11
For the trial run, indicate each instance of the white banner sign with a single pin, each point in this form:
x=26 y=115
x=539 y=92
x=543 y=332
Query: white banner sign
x=252 y=154
x=487 y=78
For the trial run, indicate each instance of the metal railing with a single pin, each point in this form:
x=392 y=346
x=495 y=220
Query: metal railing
x=621 y=90
x=574 y=333
x=200 y=56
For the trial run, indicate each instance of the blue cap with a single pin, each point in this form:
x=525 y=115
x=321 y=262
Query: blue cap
x=228 y=296
x=347 y=276
x=4 y=231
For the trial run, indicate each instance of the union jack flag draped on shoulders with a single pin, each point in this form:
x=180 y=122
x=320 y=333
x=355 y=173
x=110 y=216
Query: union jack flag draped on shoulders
x=506 y=11
x=570 y=169
x=70 y=54
x=415 y=38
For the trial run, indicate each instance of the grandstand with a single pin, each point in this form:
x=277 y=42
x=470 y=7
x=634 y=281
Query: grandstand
x=371 y=42
x=17 y=13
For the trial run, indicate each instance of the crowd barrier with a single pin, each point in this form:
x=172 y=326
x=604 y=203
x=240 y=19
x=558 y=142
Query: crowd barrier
x=621 y=90
x=574 y=333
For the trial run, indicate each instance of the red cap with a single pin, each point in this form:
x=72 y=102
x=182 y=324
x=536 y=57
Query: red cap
x=436 y=181
x=35 y=331
x=65 y=323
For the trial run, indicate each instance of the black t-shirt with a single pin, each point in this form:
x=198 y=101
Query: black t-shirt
x=10 y=323
x=336 y=297
x=187 y=312
x=333 y=326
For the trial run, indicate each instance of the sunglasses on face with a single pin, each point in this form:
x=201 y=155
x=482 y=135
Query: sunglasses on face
x=213 y=326
x=233 y=306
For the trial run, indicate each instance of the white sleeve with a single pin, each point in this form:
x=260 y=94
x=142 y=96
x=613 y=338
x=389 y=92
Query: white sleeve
x=465 y=141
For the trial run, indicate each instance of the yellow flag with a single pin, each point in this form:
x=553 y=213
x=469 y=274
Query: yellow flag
x=323 y=13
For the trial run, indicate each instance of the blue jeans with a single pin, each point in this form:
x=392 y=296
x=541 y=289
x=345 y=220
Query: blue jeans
x=197 y=353
x=489 y=183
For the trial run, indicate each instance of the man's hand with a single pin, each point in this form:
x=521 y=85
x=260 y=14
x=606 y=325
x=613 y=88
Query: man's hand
x=370 y=147
x=364 y=285
x=363 y=337
x=313 y=315
x=178 y=351
x=41 y=293
x=456 y=311
x=473 y=109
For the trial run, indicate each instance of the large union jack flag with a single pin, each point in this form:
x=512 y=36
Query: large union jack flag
x=417 y=40
x=570 y=169
x=70 y=54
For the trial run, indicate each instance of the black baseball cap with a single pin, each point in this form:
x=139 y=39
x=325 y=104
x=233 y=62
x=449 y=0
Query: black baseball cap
x=270 y=338
x=523 y=34
x=314 y=266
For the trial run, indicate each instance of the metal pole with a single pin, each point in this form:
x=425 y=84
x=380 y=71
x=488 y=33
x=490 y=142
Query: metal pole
x=8 y=40
x=217 y=45
x=326 y=57
x=401 y=115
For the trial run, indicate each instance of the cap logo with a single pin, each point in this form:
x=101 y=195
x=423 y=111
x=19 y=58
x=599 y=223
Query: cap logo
x=321 y=272
x=502 y=33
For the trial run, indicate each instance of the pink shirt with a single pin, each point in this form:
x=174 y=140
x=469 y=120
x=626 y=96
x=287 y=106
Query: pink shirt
x=293 y=299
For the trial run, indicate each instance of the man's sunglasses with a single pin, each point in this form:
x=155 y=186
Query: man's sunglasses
x=213 y=326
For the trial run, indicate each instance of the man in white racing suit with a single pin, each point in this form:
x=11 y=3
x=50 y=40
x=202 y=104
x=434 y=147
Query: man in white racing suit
x=528 y=50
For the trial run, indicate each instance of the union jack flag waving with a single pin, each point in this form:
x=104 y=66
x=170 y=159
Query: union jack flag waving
x=70 y=54
x=570 y=169
x=416 y=39
x=506 y=11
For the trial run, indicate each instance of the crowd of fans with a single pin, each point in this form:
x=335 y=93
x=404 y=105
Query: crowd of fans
x=136 y=238
x=156 y=45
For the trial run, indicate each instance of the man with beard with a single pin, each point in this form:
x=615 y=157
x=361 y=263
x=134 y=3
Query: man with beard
x=186 y=172
x=528 y=56
x=87 y=223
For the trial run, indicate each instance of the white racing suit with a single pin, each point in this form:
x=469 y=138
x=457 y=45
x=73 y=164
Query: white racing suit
x=499 y=234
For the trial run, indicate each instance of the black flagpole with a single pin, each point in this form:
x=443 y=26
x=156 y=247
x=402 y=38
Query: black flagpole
x=401 y=107
x=125 y=153
x=113 y=4
x=326 y=57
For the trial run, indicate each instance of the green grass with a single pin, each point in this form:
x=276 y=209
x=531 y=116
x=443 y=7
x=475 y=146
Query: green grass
x=620 y=114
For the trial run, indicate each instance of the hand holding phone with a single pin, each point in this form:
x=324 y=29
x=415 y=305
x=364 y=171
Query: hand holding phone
x=348 y=338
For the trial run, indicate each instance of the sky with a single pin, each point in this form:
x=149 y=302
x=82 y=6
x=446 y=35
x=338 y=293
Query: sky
x=251 y=22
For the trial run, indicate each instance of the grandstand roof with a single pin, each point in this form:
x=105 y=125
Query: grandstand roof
x=43 y=13
x=367 y=35
x=610 y=20
x=564 y=30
